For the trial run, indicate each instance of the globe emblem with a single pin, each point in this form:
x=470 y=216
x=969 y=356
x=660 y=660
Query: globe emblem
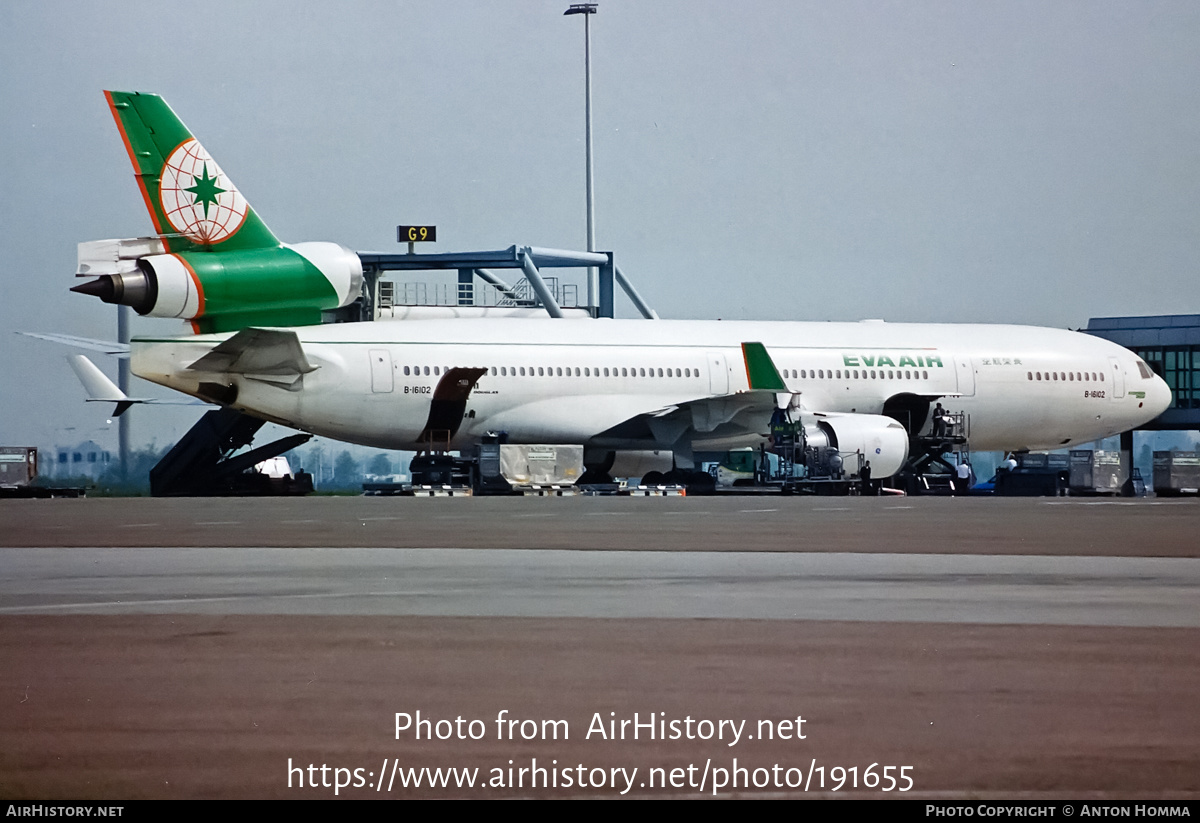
x=197 y=198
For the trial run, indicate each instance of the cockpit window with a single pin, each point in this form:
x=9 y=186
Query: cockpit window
x=1144 y=370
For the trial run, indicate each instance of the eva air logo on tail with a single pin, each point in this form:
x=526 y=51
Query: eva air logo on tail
x=198 y=200
x=223 y=269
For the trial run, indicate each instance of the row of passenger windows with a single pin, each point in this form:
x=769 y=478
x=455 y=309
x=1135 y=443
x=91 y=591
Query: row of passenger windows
x=854 y=374
x=559 y=371
x=587 y=371
x=1067 y=376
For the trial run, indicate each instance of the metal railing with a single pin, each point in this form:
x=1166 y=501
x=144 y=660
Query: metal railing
x=423 y=293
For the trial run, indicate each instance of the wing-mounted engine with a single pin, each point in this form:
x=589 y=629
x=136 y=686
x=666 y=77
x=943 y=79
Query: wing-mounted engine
x=831 y=446
x=827 y=444
x=857 y=439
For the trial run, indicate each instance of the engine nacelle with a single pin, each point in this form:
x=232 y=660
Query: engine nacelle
x=229 y=290
x=879 y=439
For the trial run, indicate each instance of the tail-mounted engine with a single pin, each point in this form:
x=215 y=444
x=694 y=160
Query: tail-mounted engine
x=226 y=290
x=213 y=261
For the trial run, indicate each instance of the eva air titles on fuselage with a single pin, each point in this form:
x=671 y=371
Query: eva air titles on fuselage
x=894 y=360
x=255 y=307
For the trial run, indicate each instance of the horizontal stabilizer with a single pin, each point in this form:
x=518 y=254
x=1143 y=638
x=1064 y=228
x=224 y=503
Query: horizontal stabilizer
x=100 y=389
x=268 y=355
x=95 y=382
x=91 y=344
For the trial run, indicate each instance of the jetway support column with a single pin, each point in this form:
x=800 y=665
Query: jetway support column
x=1127 y=463
x=123 y=384
x=642 y=305
x=498 y=284
x=605 y=307
x=539 y=286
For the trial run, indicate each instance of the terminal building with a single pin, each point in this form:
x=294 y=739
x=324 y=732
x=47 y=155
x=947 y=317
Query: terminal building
x=1170 y=344
x=88 y=459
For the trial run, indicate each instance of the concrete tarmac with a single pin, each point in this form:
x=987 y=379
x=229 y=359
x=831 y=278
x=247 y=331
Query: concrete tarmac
x=1095 y=591
x=995 y=648
x=1105 y=527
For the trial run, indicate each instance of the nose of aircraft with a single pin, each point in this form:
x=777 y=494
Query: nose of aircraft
x=1158 y=398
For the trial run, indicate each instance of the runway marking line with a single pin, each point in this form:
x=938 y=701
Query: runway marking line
x=218 y=522
x=227 y=598
x=1107 y=503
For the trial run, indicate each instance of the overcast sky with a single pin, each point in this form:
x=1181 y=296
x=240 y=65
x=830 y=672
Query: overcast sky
x=1017 y=162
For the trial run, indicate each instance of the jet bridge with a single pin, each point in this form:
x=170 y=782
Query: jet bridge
x=529 y=260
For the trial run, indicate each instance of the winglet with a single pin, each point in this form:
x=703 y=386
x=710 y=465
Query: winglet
x=760 y=369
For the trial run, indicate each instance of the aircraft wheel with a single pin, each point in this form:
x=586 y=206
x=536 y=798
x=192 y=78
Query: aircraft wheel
x=699 y=482
x=593 y=477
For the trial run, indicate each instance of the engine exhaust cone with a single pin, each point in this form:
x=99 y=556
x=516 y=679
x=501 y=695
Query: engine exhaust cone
x=101 y=287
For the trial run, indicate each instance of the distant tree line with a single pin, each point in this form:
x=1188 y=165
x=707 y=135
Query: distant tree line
x=113 y=482
x=331 y=472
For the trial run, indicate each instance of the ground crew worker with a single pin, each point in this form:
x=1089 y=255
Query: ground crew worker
x=939 y=421
x=964 y=478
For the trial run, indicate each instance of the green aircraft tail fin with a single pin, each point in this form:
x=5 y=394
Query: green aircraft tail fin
x=193 y=204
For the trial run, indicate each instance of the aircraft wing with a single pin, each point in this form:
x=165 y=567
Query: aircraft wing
x=728 y=421
x=714 y=420
x=269 y=355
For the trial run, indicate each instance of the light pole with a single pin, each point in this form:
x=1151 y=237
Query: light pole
x=123 y=384
x=587 y=10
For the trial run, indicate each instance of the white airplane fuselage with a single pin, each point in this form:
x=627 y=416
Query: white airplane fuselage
x=577 y=382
